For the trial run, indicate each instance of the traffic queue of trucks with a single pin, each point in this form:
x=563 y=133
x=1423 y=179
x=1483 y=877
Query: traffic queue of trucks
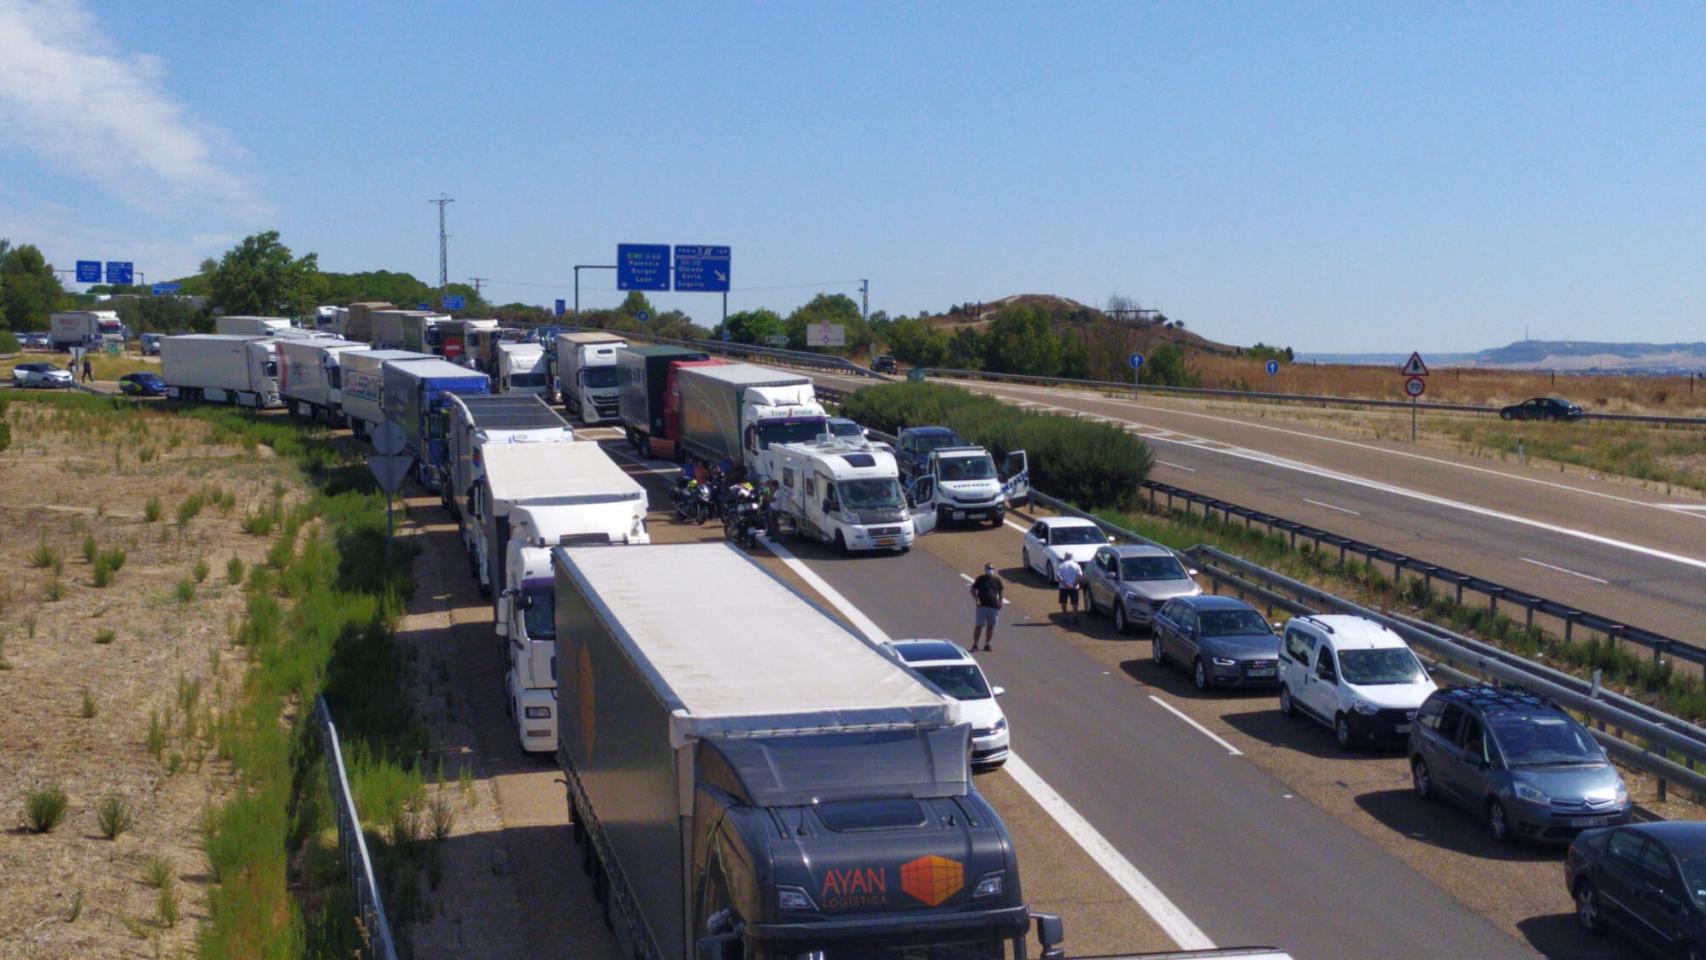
x=221 y=369
x=310 y=377
x=584 y=374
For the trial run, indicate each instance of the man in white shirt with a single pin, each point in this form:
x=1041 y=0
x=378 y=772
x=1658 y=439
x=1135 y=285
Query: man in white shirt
x=1070 y=575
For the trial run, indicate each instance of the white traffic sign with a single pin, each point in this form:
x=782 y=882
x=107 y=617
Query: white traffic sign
x=388 y=439
x=826 y=335
x=389 y=471
x=776 y=340
x=1415 y=367
x=1415 y=386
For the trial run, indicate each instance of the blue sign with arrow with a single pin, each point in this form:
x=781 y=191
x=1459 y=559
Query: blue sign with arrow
x=88 y=271
x=119 y=271
x=642 y=266
x=642 y=316
x=701 y=268
x=1136 y=361
x=1273 y=367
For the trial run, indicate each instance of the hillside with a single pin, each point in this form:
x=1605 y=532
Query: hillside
x=1065 y=310
x=1576 y=356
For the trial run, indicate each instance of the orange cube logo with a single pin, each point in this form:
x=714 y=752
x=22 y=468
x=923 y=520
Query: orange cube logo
x=932 y=879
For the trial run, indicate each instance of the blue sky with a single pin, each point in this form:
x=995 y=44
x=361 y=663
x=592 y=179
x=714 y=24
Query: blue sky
x=1334 y=177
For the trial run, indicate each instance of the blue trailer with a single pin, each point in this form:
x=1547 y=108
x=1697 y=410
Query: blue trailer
x=417 y=397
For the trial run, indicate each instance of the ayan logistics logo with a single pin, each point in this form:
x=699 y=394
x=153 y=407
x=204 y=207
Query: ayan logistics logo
x=932 y=879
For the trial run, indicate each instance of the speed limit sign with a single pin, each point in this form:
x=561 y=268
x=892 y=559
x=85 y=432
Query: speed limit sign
x=1415 y=386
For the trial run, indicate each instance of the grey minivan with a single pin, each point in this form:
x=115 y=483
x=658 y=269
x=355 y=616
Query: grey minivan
x=1522 y=764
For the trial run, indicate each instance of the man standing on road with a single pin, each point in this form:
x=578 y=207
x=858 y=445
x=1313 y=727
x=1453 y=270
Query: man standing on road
x=88 y=369
x=1070 y=575
x=986 y=593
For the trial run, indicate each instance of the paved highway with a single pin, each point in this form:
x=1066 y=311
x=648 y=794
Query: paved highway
x=1610 y=547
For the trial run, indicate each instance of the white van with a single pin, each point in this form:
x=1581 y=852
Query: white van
x=843 y=494
x=1353 y=675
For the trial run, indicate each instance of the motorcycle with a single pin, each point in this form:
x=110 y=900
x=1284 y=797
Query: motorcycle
x=693 y=501
x=743 y=518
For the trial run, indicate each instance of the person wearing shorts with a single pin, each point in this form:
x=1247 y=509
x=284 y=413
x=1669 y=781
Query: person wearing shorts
x=986 y=592
x=1070 y=575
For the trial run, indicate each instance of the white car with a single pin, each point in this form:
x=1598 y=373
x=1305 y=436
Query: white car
x=1052 y=539
x=946 y=666
x=1353 y=675
x=40 y=375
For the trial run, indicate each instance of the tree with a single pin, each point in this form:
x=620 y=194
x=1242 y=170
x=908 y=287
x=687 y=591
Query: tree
x=752 y=326
x=1021 y=340
x=29 y=290
x=1165 y=366
x=259 y=276
x=832 y=308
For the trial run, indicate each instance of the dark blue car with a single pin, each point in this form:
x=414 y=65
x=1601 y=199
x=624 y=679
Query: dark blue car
x=142 y=384
x=1646 y=880
x=1222 y=641
x=914 y=445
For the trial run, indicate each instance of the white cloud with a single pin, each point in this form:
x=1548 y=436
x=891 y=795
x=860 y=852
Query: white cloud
x=72 y=96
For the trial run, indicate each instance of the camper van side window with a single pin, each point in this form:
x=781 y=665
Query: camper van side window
x=788 y=477
x=811 y=489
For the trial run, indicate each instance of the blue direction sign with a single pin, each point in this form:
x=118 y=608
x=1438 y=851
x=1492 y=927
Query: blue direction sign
x=452 y=301
x=643 y=316
x=1273 y=367
x=1136 y=361
x=642 y=266
x=562 y=307
x=119 y=271
x=702 y=268
x=423 y=306
x=161 y=289
x=88 y=271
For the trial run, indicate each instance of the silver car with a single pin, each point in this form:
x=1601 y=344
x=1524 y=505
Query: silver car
x=1129 y=582
x=40 y=374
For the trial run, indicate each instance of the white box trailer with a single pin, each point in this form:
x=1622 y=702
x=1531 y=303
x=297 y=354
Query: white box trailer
x=251 y=326
x=85 y=328
x=584 y=366
x=521 y=368
x=362 y=391
x=221 y=369
x=479 y=419
x=310 y=376
x=419 y=330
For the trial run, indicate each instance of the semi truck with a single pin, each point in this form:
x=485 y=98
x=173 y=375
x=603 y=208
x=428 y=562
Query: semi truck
x=310 y=376
x=356 y=320
x=585 y=374
x=842 y=493
x=81 y=328
x=737 y=411
x=362 y=391
x=419 y=330
x=521 y=368
x=760 y=782
x=476 y=420
x=417 y=397
x=221 y=369
x=645 y=382
x=251 y=326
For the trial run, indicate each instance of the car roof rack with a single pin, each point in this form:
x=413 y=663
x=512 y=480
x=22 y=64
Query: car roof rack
x=1491 y=695
x=1317 y=621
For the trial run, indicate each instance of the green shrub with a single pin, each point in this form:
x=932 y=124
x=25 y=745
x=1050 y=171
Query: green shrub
x=158 y=873
x=88 y=709
x=234 y=570
x=199 y=571
x=185 y=591
x=44 y=556
x=9 y=343
x=1095 y=465
x=44 y=808
x=151 y=510
x=89 y=548
x=114 y=816
x=105 y=636
x=54 y=591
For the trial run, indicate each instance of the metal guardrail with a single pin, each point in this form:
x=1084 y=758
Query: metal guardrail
x=1328 y=400
x=371 y=922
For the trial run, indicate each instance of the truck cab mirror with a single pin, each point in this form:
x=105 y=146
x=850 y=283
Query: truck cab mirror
x=1050 y=931
x=997 y=691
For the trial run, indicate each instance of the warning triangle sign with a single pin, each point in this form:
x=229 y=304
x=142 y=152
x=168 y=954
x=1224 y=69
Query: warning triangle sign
x=1415 y=368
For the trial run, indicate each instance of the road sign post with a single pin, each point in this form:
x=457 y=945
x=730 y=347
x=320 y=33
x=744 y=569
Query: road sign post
x=1136 y=361
x=1273 y=368
x=120 y=272
x=1415 y=374
x=452 y=301
x=826 y=335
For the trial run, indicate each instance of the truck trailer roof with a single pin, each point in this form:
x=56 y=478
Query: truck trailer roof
x=508 y=411
x=429 y=367
x=732 y=651
x=560 y=474
x=750 y=375
x=586 y=337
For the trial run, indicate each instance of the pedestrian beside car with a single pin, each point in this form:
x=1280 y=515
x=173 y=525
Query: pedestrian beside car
x=88 y=369
x=986 y=592
x=1071 y=577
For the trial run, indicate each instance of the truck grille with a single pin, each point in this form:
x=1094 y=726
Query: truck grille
x=885 y=531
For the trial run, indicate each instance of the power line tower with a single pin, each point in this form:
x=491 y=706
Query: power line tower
x=864 y=299
x=443 y=244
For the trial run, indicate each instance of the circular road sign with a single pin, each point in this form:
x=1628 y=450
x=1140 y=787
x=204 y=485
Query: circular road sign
x=388 y=439
x=1415 y=386
x=1136 y=361
x=643 y=316
x=1273 y=367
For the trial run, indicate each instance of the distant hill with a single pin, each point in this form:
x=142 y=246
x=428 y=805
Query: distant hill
x=1579 y=356
x=978 y=316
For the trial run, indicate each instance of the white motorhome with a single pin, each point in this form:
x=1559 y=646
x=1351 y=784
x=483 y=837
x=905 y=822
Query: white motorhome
x=251 y=326
x=843 y=493
x=585 y=365
x=310 y=376
x=521 y=368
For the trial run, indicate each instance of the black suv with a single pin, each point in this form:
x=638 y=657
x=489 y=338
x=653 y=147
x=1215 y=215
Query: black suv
x=883 y=364
x=1522 y=764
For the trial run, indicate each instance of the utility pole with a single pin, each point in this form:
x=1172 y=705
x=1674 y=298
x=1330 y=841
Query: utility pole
x=479 y=282
x=864 y=299
x=443 y=244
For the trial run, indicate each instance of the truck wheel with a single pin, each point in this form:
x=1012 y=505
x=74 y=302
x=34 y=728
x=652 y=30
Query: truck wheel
x=645 y=447
x=840 y=544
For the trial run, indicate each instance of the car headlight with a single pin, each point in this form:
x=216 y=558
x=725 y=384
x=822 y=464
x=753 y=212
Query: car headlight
x=794 y=898
x=1622 y=795
x=989 y=885
x=1000 y=725
x=1529 y=792
x=1225 y=662
x=1365 y=708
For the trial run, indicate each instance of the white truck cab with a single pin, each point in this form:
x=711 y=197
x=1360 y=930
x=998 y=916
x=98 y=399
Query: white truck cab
x=521 y=368
x=843 y=493
x=530 y=683
x=961 y=484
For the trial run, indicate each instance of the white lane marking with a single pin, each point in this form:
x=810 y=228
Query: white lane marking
x=1177 y=466
x=1685 y=507
x=1147 y=895
x=1166 y=915
x=1332 y=507
x=1572 y=573
x=1175 y=711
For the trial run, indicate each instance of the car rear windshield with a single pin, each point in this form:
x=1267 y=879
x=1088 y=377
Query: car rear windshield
x=844 y=428
x=968 y=468
x=1076 y=534
x=957 y=681
x=1371 y=667
x=1231 y=623
x=1151 y=568
x=936 y=441
x=1544 y=741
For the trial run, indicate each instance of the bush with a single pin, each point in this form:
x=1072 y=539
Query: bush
x=44 y=808
x=151 y=510
x=90 y=548
x=234 y=571
x=114 y=817
x=104 y=637
x=9 y=343
x=185 y=591
x=1095 y=465
x=199 y=571
x=44 y=556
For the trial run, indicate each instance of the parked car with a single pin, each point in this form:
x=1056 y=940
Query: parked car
x=841 y=428
x=1354 y=675
x=1051 y=540
x=1647 y=880
x=950 y=669
x=1522 y=764
x=34 y=341
x=914 y=445
x=883 y=364
x=1222 y=641
x=41 y=374
x=1542 y=408
x=1131 y=581
x=150 y=344
x=142 y=384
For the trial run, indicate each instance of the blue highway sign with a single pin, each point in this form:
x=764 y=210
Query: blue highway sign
x=1273 y=367
x=119 y=271
x=702 y=268
x=452 y=301
x=643 y=316
x=642 y=266
x=88 y=271
x=160 y=289
x=1136 y=361
x=562 y=307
